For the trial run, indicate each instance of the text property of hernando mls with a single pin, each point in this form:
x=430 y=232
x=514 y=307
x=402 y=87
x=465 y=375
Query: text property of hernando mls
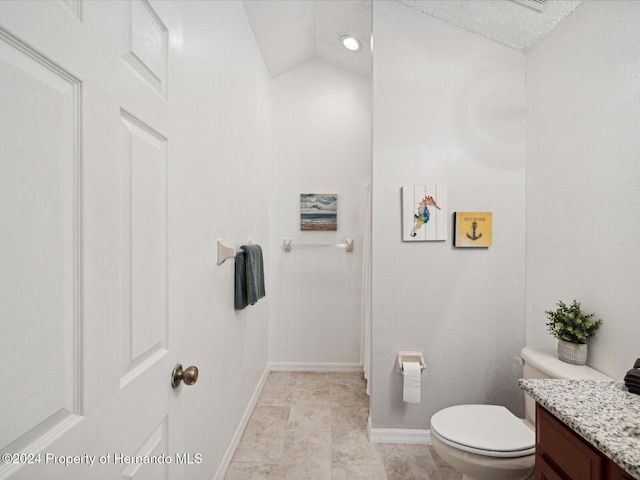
x=109 y=458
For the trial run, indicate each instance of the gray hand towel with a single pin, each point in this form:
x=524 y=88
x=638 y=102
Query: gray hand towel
x=249 y=286
x=633 y=374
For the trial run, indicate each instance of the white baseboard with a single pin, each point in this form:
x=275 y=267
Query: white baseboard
x=314 y=367
x=398 y=435
x=237 y=436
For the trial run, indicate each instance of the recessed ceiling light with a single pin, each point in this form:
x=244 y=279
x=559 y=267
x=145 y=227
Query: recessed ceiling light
x=350 y=43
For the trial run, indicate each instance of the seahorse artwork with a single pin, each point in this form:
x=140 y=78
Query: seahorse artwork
x=423 y=215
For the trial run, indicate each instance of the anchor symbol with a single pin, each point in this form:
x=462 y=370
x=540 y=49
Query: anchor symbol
x=474 y=237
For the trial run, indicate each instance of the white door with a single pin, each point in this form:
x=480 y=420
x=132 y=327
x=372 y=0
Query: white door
x=90 y=284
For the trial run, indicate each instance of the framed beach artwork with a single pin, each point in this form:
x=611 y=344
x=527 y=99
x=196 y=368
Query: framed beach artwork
x=318 y=211
x=473 y=229
x=424 y=213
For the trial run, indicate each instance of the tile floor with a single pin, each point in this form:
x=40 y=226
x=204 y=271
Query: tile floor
x=313 y=426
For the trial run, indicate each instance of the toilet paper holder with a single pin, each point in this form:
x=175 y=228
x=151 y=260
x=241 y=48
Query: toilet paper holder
x=411 y=357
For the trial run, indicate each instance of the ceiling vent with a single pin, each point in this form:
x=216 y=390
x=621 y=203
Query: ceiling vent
x=535 y=4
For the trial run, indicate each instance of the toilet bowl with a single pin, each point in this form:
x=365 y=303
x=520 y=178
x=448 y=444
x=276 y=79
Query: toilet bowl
x=484 y=442
x=488 y=442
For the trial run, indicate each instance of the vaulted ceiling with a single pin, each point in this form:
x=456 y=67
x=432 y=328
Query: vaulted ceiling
x=292 y=32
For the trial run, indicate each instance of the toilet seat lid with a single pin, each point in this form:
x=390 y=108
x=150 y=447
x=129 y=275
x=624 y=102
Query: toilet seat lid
x=490 y=430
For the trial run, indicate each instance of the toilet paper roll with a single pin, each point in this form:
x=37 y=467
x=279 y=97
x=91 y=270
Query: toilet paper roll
x=411 y=389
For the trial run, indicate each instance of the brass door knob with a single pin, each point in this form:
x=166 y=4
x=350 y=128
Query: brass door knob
x=189 y=375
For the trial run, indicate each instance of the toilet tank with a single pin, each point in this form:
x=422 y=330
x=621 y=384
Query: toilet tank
x=541 y=363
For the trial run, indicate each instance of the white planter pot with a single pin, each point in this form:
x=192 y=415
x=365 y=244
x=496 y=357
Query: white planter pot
x=575 y=353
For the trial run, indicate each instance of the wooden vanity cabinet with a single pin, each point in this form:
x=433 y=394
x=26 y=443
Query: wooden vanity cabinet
x=614 y=472
x=561 y=454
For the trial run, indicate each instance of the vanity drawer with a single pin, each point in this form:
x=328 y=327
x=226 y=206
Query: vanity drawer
x=545 y=471
x=569 y=456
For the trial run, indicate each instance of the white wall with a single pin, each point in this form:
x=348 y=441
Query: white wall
x=449 y=108
x=583 y=152
x=321 y=144
x=228 y=135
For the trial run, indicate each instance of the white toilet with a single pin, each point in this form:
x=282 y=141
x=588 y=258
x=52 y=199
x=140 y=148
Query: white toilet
x=488 y=442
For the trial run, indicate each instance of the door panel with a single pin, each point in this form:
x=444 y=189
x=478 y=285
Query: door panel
x=156 y=445
x=147 y=52
x=39 y=224
x=145 y=248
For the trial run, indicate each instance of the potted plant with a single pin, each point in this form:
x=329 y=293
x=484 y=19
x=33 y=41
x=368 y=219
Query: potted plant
x=572 y=327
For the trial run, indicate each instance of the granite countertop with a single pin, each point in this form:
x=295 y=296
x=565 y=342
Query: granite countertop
x=602 y=412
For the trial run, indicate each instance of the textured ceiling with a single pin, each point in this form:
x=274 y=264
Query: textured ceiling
x=504 y=21
x=292 y=32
